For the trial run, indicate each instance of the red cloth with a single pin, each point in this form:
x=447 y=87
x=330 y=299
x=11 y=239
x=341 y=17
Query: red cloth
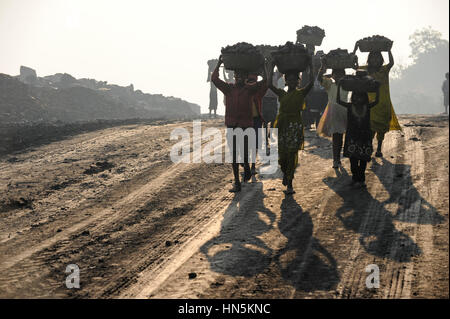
x=238 y=100
x=257 y=98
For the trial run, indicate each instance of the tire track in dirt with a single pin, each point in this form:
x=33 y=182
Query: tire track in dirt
x=102 y=219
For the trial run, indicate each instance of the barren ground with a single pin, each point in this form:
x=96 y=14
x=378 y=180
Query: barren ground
x=112 y=202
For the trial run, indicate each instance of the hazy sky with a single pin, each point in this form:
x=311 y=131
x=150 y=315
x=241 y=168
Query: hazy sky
x=162 y=46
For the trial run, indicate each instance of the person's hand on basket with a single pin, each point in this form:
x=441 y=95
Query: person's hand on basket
x=323 y=62
x=356 y=46
x=220 y=62
x=356 y=66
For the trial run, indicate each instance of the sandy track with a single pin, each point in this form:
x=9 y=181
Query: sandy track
x=137 y=225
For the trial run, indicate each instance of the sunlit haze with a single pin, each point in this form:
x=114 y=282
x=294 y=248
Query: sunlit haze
x=162 y=46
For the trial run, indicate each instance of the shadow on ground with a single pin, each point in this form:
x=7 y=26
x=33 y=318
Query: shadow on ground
x=367 y=216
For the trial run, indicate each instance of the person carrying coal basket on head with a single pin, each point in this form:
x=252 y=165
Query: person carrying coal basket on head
x=289 y=123
x=358 y=136
x=238 y=113
x=333 y=122
x=258 y=119
x=383 y=118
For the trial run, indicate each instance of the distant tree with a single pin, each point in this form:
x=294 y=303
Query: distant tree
x=417 y=88
x=425 y=41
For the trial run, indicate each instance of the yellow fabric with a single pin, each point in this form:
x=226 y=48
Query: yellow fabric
x=382 y=116
x=291 y=106
x=254 y=110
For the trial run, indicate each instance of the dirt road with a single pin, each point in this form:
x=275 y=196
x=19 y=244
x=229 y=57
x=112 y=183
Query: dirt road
x=139 y=226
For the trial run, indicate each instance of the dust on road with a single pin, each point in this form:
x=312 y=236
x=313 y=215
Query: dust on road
x=139 y=226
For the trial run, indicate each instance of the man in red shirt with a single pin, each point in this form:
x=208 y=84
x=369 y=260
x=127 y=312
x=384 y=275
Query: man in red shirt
x=239 y=99
x=258 y=118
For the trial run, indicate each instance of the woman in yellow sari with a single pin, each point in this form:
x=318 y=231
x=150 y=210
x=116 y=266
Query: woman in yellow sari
x=290 y=124
x=382 y=116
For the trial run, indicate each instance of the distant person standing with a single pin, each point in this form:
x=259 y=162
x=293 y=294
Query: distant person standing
x=212 y=89
x=445 y=91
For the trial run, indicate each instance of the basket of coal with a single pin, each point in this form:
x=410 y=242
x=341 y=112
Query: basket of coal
x=266 y=50
x=310 y=35
x=242 y=56
x=291 y=58
x=317 y=59
x=375 y=43
x=340 y=59
x=361 y=82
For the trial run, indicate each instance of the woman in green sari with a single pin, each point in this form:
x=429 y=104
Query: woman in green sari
x=290 y=124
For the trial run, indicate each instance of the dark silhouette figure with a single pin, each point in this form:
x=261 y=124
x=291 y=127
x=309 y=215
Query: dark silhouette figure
x=445 y=92
x=412 y=207
x=237 y=250
x=364 y=214
x=306 y=271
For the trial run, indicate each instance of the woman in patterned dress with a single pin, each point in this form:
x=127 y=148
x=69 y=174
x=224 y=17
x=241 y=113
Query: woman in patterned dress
x=290 y=124
x=358 y=137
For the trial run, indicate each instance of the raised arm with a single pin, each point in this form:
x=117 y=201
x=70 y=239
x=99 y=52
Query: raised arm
x=377 y=98
x=221 y=85
x=338 y=97
x=391 y=60
x=308 y=86
x=322 y=70
x=356 y=47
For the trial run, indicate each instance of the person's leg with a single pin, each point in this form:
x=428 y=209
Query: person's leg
x=256 y=126
x=282 y=161
x=355 y=169
x=292 y=161
x=235 y=165
x=362 y=172
x=247 y=171
x=380 y=138
x=337 y=147
x=267 y=137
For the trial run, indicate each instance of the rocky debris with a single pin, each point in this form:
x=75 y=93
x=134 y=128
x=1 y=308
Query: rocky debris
x=10 y=204
x=98 y=167
x=192 y=275
x=61 y=97
x=27 y=75
x=17 y=103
